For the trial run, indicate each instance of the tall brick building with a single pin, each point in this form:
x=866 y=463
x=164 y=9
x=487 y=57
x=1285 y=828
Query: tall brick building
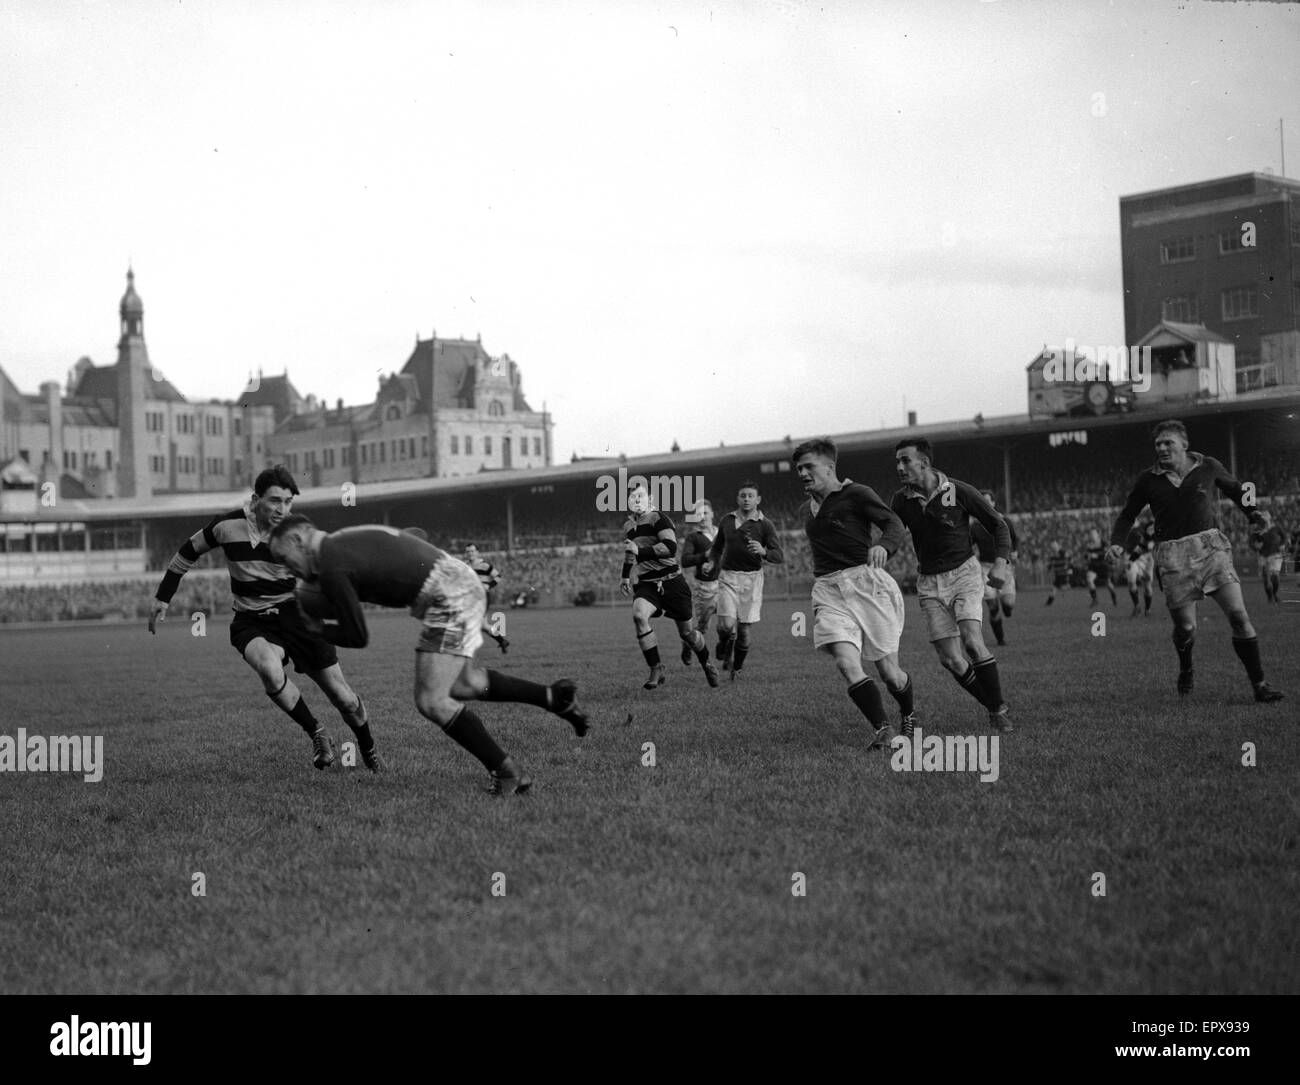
x=1224 y=254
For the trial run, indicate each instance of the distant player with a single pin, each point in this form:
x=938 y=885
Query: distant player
x=937 y=510
x=489 y=577
x=1097 y=562
x=1058 y=566
x=1140 y=547
x=1001 y=600
x=1193 y=557
x=857 y=605
x=704 y=593
x=1271 y=543
x=376 y=564
x=745 y=540
x=268 y=629
x=651 y=547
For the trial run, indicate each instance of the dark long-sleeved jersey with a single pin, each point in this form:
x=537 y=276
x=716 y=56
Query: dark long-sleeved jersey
x=257 y=580
x=731 y=543
x=371 y=564
x=985 y=544
x=1270 y=542
x=839 y=529
x=940 y=523
x=695 y=553
x=1140 y=541
x=1181 y=508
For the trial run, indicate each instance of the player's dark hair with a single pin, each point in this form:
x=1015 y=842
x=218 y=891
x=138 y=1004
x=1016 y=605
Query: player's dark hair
x=275 y=476
x=1170 y=424
x=749 y=484
x=920 y=444
x=818 y=446
x=288 y=524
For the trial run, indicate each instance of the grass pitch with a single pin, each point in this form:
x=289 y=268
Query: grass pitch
x=618 y=877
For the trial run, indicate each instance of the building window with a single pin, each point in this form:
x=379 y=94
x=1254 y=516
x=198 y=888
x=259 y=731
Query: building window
x=238 y=424
x=1177 y=250
x=382 y=452
x=1240 y=303
x=1231 y=242
x=392 y=413
x=365 y=457
x=1252 y=375
x=455 y=444
x=108 y=459
x=469 y=445
x=239 y=469
x=495 y=409
x=487 y=446
x=1185 y=308
x=537 y=446
x=184 y=423
x=153 y=421
x=424 y=446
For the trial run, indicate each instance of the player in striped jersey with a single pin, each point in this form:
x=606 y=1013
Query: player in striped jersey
x=651 y=546
x=695 y=554
x=1097 y=561
x=268 y=629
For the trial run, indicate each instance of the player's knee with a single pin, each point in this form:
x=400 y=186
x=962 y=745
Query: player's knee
x=470 y=685
x=440 y=708
x=1240 y=622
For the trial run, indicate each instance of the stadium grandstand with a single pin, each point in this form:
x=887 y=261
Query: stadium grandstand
x=554 y=532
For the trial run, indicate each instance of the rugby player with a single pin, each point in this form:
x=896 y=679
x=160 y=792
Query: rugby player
x=704 y=595
x=857 y=605
x=489 y=577
x=1271 y=542
x=744 y=541
x=1141 y=545
x=1097 y=561
x=268 y=629
x=998 y=600
x=376 y=564
x=651 y=546
x=1058 y=564
x=1193 y=557
x=937 y=510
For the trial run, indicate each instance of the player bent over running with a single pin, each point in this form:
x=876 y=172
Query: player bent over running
x=857 y=606
x=1140 y=547
x=268 y=629
x=374 y=564
x=1001 y=600
x=651 y=546
x=937 y=510
x=745 y=540
x=1193 y=557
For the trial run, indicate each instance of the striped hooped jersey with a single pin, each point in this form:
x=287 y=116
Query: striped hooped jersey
x=257 y=580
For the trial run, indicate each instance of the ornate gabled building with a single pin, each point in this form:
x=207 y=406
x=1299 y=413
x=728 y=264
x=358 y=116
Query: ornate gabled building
x=124 y=430
x=451 y=410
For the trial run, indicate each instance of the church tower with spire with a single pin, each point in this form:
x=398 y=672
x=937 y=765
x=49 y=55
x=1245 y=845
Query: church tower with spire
x=133 y=478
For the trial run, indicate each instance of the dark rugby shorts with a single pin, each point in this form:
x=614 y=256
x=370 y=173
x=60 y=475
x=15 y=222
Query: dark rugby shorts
x=670 y=596
x=284 y=625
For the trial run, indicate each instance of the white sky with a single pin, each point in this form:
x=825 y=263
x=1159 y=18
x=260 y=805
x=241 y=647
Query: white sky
x=691 y=222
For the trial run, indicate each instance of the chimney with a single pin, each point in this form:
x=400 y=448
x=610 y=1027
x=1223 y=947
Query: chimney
x=54 y=404
x=911 y=418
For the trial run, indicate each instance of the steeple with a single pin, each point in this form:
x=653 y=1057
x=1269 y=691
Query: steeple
x=131 y=309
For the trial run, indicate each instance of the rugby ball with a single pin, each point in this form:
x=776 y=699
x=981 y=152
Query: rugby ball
x=313 y=603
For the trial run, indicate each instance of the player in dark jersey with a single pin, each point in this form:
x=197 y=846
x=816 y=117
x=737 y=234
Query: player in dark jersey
x=1058 y=566
x=857 y=605
x=937 y=510
x=376 y=564
x=268 y=629
x=1140 y=546
x=651 y=546
x=745 y=541
x=1193 y=557
x=1271 y=543
x=1001 y=600
x=1096 y=560
x=704 y=592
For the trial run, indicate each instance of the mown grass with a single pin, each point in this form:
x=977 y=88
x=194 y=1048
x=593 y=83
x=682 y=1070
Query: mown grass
x=676 y=878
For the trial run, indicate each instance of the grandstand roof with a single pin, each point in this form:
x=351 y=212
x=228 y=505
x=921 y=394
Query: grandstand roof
x=1007 y=428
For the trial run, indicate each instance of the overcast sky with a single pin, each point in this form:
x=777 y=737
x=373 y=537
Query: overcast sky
x=683 y=221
